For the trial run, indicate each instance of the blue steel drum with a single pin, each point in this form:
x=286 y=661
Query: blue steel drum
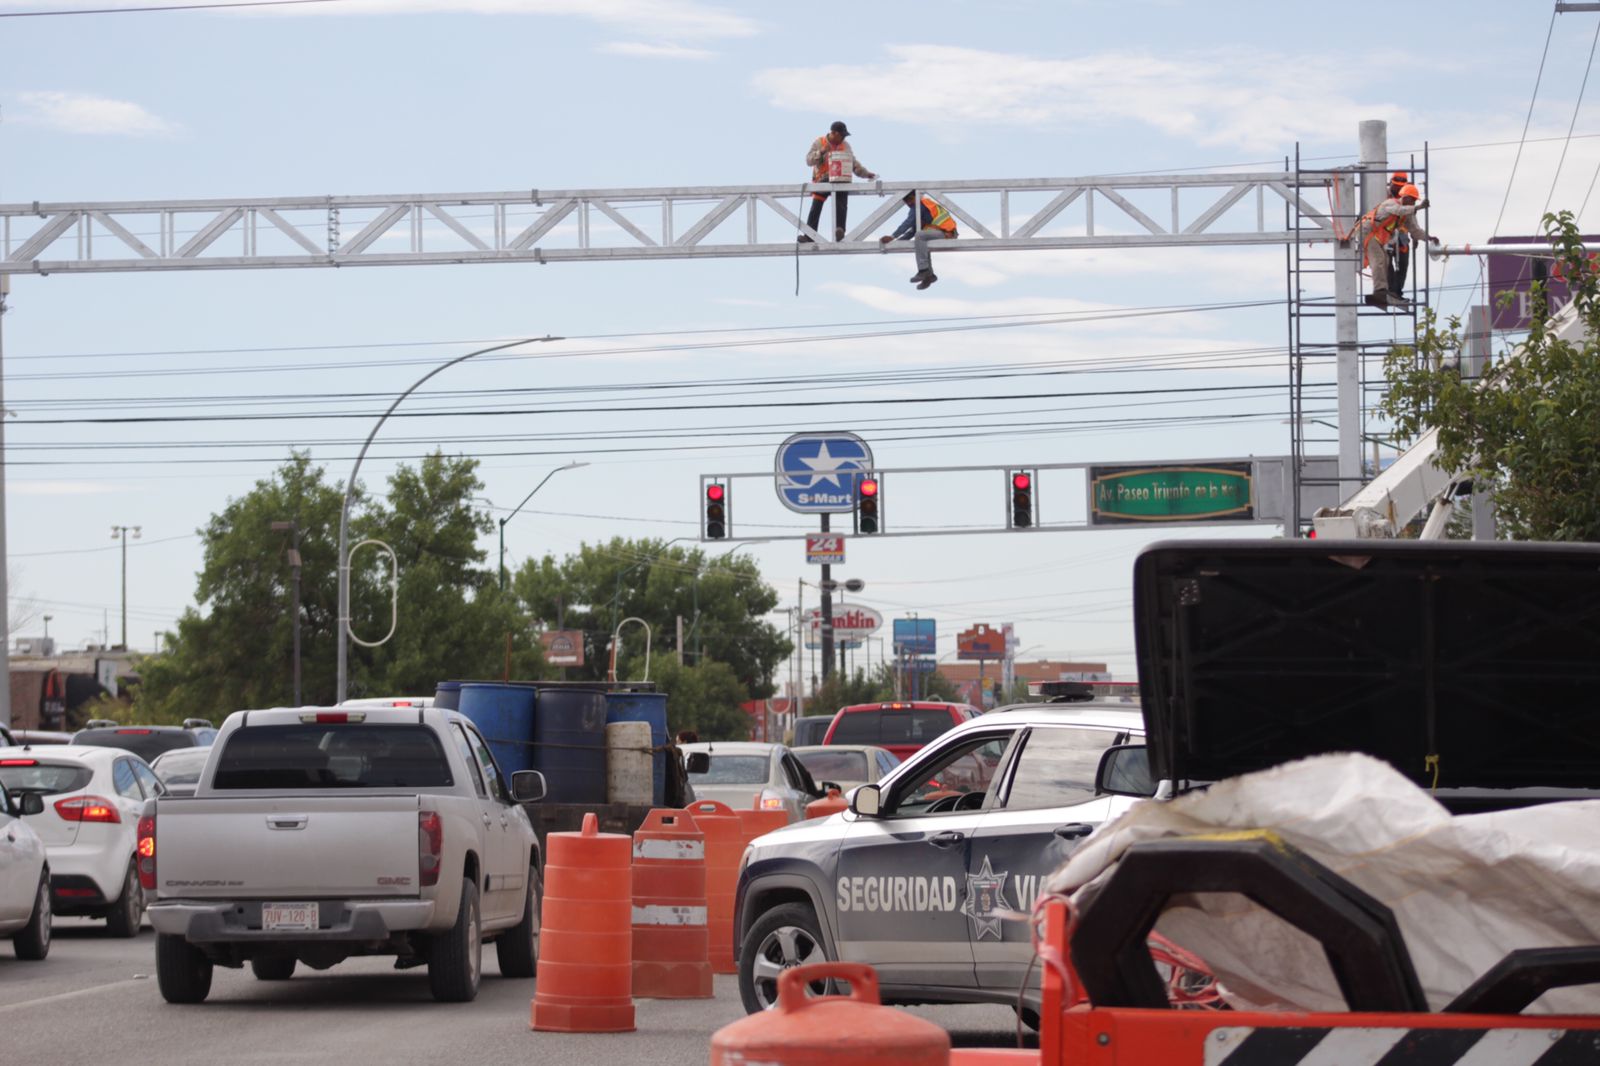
x=447 y=696
x=648 y=707
x=504 y=714
x=569 y=744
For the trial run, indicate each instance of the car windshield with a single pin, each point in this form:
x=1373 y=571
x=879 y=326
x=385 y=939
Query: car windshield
x=835 y=766
x=181 y=767
x=145 y=743
x=332 y=756
x=733 y=770
x=891 y=727
x=43 y=778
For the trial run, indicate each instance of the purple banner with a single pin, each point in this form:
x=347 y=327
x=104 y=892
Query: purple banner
x=1516 y=274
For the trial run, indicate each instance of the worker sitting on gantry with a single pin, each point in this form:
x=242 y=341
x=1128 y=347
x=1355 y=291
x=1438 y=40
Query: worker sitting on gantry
x=1381 y=227
x=928 y=220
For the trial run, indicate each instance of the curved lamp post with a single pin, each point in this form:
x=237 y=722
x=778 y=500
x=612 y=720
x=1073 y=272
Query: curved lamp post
x=570 y=466
x=342 y=684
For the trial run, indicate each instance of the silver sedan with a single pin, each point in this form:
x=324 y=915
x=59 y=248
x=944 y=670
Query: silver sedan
x=746 y=775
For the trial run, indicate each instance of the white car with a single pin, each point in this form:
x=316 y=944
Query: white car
x=746 y=775
x=24 y=878
x=92 y=798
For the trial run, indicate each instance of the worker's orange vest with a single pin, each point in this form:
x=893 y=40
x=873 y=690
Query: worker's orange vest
x=941 y=218
x=1382 y=232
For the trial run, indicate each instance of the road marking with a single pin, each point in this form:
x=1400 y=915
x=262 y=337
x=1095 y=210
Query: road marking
x=68 y=995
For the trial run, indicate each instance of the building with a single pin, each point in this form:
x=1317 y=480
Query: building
x=48 y=689
x=964 y=675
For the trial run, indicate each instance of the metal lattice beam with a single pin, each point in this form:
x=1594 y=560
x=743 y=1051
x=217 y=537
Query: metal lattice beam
x=546 y=226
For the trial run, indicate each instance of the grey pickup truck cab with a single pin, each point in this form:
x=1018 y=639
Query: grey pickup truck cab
x=316 y=834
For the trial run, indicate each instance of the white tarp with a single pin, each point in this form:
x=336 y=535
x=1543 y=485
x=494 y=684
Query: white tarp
x=1465 y=889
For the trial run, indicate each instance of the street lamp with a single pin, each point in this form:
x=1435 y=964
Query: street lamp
x=293 y=529
x=122 y=533
x=570 y=466
x=341 y=683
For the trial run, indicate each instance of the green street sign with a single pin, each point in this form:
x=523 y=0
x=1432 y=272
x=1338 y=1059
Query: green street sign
x=1125 y=495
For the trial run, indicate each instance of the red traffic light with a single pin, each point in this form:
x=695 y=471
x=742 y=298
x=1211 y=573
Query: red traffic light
x=1021 y=481
x=714 y=492
x=867 y=487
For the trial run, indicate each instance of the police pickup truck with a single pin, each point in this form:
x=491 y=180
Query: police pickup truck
x=918 y=877
x=316 y=834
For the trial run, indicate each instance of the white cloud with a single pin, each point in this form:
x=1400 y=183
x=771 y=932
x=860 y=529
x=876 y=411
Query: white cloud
x=654 y=51
x=83 y=113
x=1246 y=99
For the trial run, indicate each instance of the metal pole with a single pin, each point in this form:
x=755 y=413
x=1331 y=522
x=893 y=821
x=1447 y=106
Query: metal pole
x=1475 y=365
x=1374 y=135
x=827 y=614
x=570 y=466
x=502 y=555
x=124 y=532
x=5 y=590
x=341 y=683
x=295 y=571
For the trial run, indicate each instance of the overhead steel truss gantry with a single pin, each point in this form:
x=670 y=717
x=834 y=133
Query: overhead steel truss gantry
x=694 y=222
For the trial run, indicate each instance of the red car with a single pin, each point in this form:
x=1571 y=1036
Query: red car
x=903 y=728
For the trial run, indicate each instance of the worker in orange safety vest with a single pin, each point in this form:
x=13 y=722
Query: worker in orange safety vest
x=927 y=221
x=1400 y=257
x=817 y=159
x=1378 y=231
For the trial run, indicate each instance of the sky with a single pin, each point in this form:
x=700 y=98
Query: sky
x=389 y=96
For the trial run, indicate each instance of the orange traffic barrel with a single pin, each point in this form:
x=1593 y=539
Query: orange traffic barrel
x=758 y=823
x=586 y=940
x=853 y=1030
x=670 y=942
x=832 y=803
x=725 y=843
x=994 y=1056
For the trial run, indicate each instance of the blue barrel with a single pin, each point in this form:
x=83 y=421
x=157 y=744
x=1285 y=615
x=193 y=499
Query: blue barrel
x=648 y=707
x=569 y=743
x=504 y=715
x=447 y=696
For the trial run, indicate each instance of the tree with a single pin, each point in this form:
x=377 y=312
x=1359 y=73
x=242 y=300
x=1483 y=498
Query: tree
x=705 y=697
x=723 y=604
x=1530 y=434
x=237 y=654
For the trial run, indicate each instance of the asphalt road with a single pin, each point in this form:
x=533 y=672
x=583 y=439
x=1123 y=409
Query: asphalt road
x=94 y=1000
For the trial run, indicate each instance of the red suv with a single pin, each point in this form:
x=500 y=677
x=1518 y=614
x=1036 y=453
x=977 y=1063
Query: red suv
x=903 y=728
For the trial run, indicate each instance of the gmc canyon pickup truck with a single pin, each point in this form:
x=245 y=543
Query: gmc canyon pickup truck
x=317 y=834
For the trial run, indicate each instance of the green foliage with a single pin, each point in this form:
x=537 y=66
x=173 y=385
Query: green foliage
x=238 y=653
x=705 y=697
x=877 y=687
x=723 y=603
x=1531 y=434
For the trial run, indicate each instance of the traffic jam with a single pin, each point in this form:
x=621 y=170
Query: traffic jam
x=1333 y=828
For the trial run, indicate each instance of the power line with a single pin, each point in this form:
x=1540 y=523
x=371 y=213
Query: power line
x=161 y=7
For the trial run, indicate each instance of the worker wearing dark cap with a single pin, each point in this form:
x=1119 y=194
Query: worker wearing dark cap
x=822 y=151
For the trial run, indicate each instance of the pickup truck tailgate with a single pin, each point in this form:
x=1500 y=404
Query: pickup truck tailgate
x=317 y=846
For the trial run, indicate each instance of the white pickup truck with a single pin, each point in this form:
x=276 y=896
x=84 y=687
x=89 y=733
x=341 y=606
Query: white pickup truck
x=316 y=834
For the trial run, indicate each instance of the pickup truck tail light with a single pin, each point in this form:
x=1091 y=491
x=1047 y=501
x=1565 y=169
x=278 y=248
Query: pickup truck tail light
x=146 y=851
x=430 y=846
x=87 y=809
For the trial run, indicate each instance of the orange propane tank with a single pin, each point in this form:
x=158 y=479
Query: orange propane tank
x=853 y=1030
x=586 y=940
x=724 y=848
x=832 y=803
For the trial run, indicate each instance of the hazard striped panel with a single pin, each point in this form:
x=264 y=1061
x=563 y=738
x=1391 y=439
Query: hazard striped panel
x=1401 y=1047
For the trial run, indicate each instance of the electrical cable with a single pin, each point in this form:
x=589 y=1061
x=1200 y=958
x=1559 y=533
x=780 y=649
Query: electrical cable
x=1576 y=107
x=163 y=7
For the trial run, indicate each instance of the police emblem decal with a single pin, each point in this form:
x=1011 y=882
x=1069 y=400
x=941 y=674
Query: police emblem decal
x=985 y=894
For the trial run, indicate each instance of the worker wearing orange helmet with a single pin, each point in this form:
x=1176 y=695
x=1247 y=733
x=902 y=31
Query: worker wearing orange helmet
x=1400 y=256
x=817 y=157
x=1378 y=232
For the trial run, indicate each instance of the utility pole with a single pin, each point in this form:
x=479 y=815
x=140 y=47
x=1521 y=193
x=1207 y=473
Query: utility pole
x=293 y=529
x=1374 y=172
x=121 y=532
x=5 y=591
x=827 y=615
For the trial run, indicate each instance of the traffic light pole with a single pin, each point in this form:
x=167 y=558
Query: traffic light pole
x=827 y=615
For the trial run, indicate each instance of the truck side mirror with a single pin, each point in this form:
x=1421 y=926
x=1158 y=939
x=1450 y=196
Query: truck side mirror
x=698 y=762
x=527 y=786
x=31 y=803
x=1124 y=770
x=866 y=801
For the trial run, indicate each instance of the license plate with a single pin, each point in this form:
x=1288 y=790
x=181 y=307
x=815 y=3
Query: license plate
x=300 y=916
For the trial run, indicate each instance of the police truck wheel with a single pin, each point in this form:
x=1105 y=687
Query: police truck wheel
x=517 y=948
x=182 y=970
x=781 y=939
x=32 y=941
x=455 y=958
x=272 y=968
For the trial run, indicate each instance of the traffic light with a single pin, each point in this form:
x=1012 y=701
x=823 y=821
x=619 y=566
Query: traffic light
x=716 y=524
x=1021 y=499
x=867 y=499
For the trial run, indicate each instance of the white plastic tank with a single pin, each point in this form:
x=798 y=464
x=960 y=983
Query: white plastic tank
x=628 y=766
